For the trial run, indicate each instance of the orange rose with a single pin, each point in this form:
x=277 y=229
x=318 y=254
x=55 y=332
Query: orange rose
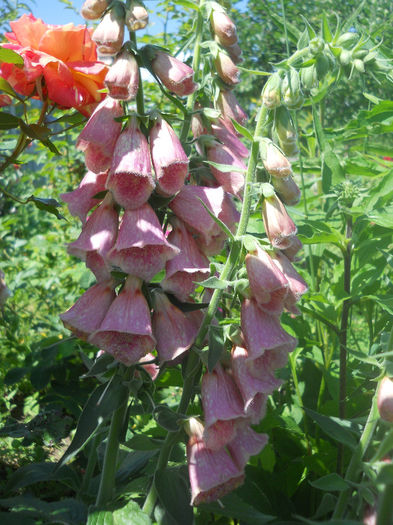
x=64 y=56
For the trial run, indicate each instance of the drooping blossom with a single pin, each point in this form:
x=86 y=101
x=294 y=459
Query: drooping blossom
x=213 y=474
x=229 y=139
x=82 y=199
x=98 y=138
x=226 y=69
x=230 y=108
x=63 y=56
x=93 y=9
x=141 y=247
x=297 y=285
x=223 y=28
x=174 y=74
x=109 y=34
x=287 y=190
x=130 y=177
x=169 y=159
x=122 y=79
x=173 y=330
x=231 y=181
x=275 y=162
x=279 y=226
x=245 y=444
x=136 y=16
x=293 y=249
x=126 y=332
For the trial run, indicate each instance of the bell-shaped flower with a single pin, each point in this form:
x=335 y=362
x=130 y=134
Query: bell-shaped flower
x=226 y=69
x=293 y=249
x=229 y=139
x=275 y=162
x=187 y=267
x=86 y=315
x=288 y=190
x=279 y=227
x=245 y=444
x=169 y=160
x=223 y=28
x=122 y=79
x=213 y=474
x=93 y=9
x=174 y=74
x=130 y=178
x=151 y=368
x=222 y=406
x=109 y=34
x=136 y=16
x=297 y=285
x=262 y=331
x=235 y=53
x=99 y=232
x=98 y=265
x=98 y=138
x=231 y=109
x=174 y=332
x=231 y=181
x=269 y=287
x=83 y=199
x=126 y=331
x=141 y=247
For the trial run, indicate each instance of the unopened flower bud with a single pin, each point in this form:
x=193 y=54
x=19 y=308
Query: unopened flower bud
x=93 y=9
x=137 y=16
x=279 y=227
x=316 y=46
x=309 y=77
x=271 y=95
x=235 y=53
x=283 y=125
x=275 y=163
x=359 y=65
x=226 y=69
x=287 y=189
x=345 y=57
x=347 y=39
x=109 y=34
x=122 y=79
x=385 y=399
x=230 y=108
x=223 y=28
x=174 y=74
x=292 y=95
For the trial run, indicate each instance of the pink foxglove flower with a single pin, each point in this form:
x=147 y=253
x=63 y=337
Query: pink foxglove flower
x=222 y=406
x=130 y=177
x=235 y=53
x=187 y=267
x=223 y=28
x=269 y=287
x=226 y=69
x=109 y=34
x=126 y=332
x=169 y=160
x=151 y=368
x=136 y=16
x=279 y=227
x=292 y=250
x=231 y=181
x=385 y=399
x=122 y=79
x=213 y=474
x=81 y=200
x=231 y=109
x=93 y=9
x=141 y=247
x=275 y=162
x=98 y=265
x=263 y=332
x=174 y=332
x=86 y=315
x=174 y=74
x=98 y=138
x=297 y=285
x=229 y=139
x=288 y=190
x=99 y=232
x=245 y=444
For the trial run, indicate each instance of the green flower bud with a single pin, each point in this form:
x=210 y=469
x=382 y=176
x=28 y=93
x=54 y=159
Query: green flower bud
x=289 y=148
x=345 y=57
x=359 y=65
x=283 y=125
x=291 y=90
x=271 y=95
x=346 y=40
x=317 y=45
x=308 y=76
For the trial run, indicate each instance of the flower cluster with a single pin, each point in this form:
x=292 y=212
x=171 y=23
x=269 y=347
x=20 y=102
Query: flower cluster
x=132 y=166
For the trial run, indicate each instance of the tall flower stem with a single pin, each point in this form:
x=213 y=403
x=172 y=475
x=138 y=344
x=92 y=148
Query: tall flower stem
x=193 y=364
x=140 y=104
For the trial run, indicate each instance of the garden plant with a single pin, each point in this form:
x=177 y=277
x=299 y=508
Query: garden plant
x=196 y=242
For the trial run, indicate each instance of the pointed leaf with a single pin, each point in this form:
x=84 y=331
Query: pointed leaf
x=216 y=345
x=174 y=494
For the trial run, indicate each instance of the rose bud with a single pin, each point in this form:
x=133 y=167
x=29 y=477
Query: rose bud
x=279 y=227
x=98 y=138
x=226 y=69
x=126 y=332
x=275 y=163
x=109 y=34
x=93 y=9
x=130 y=178
x=169 y=160
x=223 y=28
x=213 y=474
x=288 y=190
x=231 y=109
x=136 y=16
x=385 y=399
x=174 y=74
x=268 y=285
x=122 y=79
x=271 y=95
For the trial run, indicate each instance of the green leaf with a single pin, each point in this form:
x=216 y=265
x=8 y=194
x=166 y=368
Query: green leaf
x=242 y=130
x=326 y=33
x=130 y=514
x=385 y=475
x=15 y=375
x=330 y=482
x=385 y=302
x=7 y=88
x=100 y=366
x=48 y=205
x=335 y=428
x=216 y=345
x=174 y=495
x=384 y=448
x=218 y=221
x=38 y=472
x=215 y=283
x=225 y=168
x=99 y=407
x=234 y=507
x=8 y=121
x=10 y=57
x=167 y=418
x=188 y=3
x=254 y=72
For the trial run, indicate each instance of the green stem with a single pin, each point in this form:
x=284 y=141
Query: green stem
x=140 y=105
x=357 y=456
x=385 y=507
x=91 y=464
x=108 y=473
x=193 y=367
